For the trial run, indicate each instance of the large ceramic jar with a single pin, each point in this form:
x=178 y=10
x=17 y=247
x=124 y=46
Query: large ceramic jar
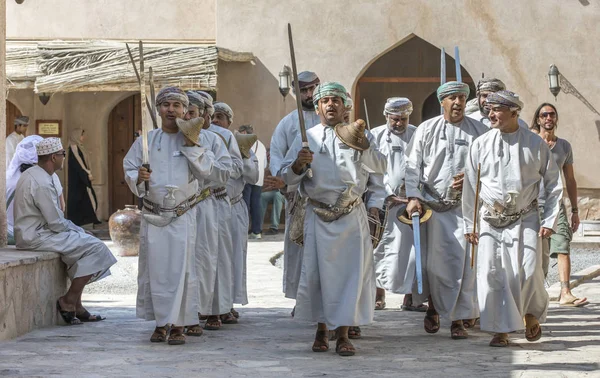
x=124 y=228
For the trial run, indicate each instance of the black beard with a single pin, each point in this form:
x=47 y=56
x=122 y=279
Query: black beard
x=308 y=105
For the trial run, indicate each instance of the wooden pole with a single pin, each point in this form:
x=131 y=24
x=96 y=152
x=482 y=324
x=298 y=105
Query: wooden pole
x=476 y=211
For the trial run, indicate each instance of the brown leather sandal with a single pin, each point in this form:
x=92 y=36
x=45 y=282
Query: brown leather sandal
x=531 y=323
x=500 y=340
x=176 y=336
x=431 y=322
x=159 y=335
x=321 y=343
x=354 y=332
x=212 y=323
x=458 y=331
x=344 y=348
x=228 y=318
x=193 y=330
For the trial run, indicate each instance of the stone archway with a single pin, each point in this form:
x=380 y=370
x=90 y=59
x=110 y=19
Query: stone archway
x=124 y=120
x=12 y=112
x=411 y=69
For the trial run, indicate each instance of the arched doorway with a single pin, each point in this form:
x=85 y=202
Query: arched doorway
x=12 y=112
x=124 y=120
x=411 y=69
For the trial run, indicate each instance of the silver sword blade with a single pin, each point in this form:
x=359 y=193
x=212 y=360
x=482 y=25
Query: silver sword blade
x=417 y=244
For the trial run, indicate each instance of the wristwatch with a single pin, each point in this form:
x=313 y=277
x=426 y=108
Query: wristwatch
x=574 y=210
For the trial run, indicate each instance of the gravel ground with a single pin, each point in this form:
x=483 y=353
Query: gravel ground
x=580 y=259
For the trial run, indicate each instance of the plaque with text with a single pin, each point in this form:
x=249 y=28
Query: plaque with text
x=48 y=128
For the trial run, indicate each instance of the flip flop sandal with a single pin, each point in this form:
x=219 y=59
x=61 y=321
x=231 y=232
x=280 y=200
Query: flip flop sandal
x=354 y=332
x=349 y=348
x=499 y=341
x=235 y=313
x=228 y=319
x=458 y=332
x=176 y=336
x=68 y=316
x=86 y=317
x=194 y=330
x=212 y=323
x=431 y=323
x=575 y=302
x=321 y=340
x=159 y=335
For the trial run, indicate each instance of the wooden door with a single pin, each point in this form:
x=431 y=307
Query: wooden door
x=123 y=122
x=12 y=112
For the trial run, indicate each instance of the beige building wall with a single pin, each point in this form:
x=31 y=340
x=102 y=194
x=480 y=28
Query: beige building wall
x=514 y=40
x=192 y=20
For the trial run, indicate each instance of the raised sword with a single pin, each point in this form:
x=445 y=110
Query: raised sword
x=298 y=99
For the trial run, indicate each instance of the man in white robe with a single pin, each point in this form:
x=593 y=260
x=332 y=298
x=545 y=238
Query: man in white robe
x=435 y=164
x=480 y=110
x=513 y=162
x=337 y=283
x=21 y=124
x=223 y=118
x=283 y=137
x=395 y=254
x=223 y=294
x=40 y=225
x=167 y=280
x=208 y=214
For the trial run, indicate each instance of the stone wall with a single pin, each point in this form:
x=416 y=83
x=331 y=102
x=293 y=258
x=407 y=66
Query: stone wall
x=31 y=284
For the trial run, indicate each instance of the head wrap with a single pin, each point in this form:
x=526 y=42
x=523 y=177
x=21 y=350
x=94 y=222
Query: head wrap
x=490 y=85
x=505 y=98
x=225 y=109
x=247 y=128
x=349 y=102
x=451 y=88
x=48 y=146
x=330 y=88
x=398 y=106
x=172 y=94
x=208 y=102
x=25 y=153
x=306 y=79
x=77 y=145
x=22 y=120
x=196 y=100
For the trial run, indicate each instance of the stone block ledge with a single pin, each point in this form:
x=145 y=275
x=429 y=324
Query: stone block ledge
x=31 y=284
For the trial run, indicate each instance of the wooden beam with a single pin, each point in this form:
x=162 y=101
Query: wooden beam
x=408 y=79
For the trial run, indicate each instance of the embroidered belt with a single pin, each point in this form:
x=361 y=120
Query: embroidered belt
x=219 y=193
x=237 y=199
x=500 y=219
x=329 y=213
x=440 y=204
x=180 y=209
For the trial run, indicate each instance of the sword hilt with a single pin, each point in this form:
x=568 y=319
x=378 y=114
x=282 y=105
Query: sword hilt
x=147 y=183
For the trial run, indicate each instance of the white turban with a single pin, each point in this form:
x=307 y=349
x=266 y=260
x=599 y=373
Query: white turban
x=306 y=79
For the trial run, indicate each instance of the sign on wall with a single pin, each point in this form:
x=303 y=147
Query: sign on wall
x=48 y=128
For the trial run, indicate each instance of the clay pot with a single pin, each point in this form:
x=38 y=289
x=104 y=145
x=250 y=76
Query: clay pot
x=124 y=228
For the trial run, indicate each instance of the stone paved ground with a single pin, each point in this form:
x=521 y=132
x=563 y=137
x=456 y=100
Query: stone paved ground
x=268 y=343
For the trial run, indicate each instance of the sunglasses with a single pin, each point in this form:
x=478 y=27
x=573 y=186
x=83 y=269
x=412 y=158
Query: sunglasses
x=548 y=114
x=63 y=153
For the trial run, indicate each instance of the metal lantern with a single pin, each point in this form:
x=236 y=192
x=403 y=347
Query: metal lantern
x=553 y=80
x=285 y=81
x=44 y=98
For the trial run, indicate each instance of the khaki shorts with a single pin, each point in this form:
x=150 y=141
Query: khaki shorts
x=560 y=241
